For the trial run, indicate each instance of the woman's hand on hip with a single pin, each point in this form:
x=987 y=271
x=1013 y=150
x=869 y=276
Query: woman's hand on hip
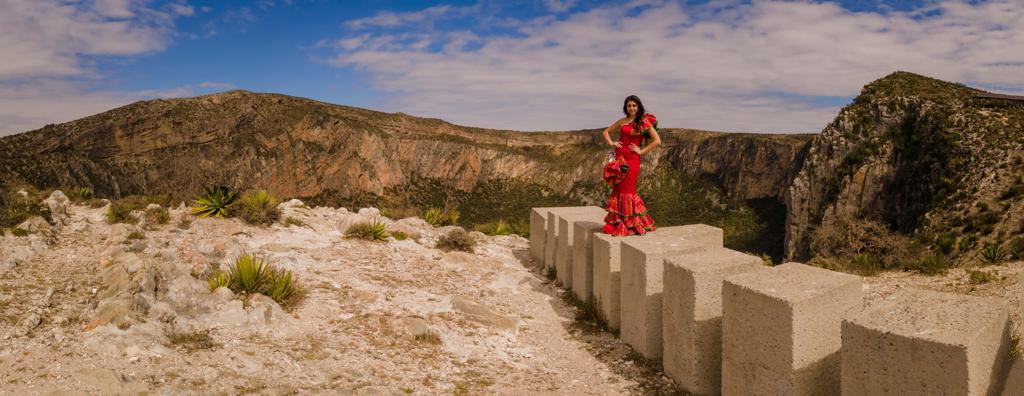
x=617 y=144
x=634 y=148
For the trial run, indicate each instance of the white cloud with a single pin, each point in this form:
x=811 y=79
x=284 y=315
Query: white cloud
x=397 y=19
x=49 y=49
x=738 y=66
x=559 y=5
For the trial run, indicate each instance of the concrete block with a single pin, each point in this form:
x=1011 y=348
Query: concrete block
x=922 y=342
x=551 y=235
x=642 y=271
x=538 y=234
x=1015 y=380
x=607 y=263
x=583 y=258
x=781 y=330
x=692 y=315
x=564 y=243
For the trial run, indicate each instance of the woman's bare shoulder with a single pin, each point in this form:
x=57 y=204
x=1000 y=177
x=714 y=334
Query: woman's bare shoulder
x=622 y=121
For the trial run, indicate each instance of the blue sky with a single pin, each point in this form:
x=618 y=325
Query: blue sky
x=527 y=65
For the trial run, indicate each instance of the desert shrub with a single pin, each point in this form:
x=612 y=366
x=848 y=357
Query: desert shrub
x=1012 y=192
x=219 y=279
x=844 y=238
x=80 y=194
x=257 y=207
x=136 y=235
x=184 y=222
x=291 y=221
x=1016 y=248
x=248 y=274
x=16 y=208
x=931 y=264
x=399 y=235
x=967 y=242
x=500 y=227
x=865 y=263
x=451 y=216
x=980 y=277
x=767 y=259
x=993 y=254
x=399 y=213
x=121 y=212
x=19 y=232
x=370 y=231
x=157 y=215
x=96 y=203
x=456 y=239
x=194 y=341
x=945 y=242
x=215 y=201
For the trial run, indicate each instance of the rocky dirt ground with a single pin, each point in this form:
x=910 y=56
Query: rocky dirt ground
x=90 y=307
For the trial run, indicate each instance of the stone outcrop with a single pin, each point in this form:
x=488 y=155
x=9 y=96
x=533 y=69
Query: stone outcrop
x=911 y=154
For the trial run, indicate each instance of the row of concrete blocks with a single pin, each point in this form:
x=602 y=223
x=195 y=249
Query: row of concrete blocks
x=723 y=323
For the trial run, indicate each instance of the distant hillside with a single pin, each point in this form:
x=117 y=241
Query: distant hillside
x=339 y=155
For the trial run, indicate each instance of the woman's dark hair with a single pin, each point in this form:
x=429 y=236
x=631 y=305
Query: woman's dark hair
x=639 y=120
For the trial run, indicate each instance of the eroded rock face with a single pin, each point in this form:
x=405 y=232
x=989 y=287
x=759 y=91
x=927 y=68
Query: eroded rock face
x=912 y=153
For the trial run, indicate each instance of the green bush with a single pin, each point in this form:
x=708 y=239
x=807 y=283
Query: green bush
x=18 y=232
x=214 y=202
x=399 y=235
x=993 y=254
x=257 y=207
x=456 y=239
x=370 y=231
x=291 y=221
x=1016 y=248
x=136 y=235
x=946 y=242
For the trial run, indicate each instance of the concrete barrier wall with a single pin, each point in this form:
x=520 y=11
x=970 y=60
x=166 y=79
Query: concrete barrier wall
x=953 y=344
x=583 y=259
x=641 y=285
x=692 y=315
x=724 y=323
x=564 y=241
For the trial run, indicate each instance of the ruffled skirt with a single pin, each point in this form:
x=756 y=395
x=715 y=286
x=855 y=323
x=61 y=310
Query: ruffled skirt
x=627 y=215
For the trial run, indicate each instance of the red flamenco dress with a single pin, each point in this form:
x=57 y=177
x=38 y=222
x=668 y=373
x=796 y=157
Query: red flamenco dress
x=627 y=213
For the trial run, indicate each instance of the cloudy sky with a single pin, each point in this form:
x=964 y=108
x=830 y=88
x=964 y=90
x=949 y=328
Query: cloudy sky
x=746 y=66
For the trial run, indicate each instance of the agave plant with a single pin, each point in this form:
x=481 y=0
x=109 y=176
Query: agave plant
x=258 y=207
x=371 y=231
x=993 y=254
x=79 y=194
x=248 y=274
x=214 y=202
x=219 y=279
x=433 y=216
x=279 y=285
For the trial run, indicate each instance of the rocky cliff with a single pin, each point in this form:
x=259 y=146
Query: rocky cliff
x=341 y=155
x=911 y=157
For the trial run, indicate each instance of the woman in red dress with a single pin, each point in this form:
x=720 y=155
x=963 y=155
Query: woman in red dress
x=627 y=214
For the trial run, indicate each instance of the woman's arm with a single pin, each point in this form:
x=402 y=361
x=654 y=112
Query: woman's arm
x=607 y=138
x=655 y=141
